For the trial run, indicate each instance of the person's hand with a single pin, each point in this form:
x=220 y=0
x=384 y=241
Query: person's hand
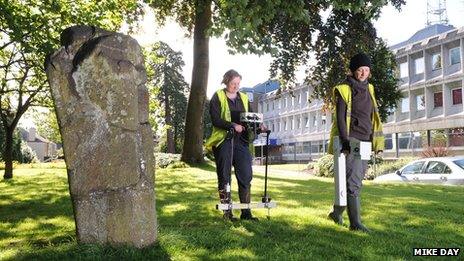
x=379 y=153
x=238 y=128
x=262 y=128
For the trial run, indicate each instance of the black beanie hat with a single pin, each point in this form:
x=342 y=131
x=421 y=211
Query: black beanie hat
x=361 y=59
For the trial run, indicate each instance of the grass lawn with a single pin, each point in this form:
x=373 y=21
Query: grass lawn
x=36 y=220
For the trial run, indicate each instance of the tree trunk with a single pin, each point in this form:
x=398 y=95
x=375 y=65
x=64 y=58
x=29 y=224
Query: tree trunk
x=176 y=135
x=193 y=140
x=8 y=154
x=168 y=120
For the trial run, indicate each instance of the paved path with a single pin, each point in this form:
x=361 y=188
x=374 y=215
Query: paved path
x=282 y=173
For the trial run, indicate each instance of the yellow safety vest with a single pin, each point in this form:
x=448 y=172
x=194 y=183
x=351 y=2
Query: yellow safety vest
x=378 y=140
x=219 y=135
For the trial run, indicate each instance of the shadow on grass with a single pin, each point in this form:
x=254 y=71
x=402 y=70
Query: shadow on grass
x=401 y=217
x=73 y=251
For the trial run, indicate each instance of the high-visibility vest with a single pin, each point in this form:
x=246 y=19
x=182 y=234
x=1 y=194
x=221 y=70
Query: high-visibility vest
x=378 y=140
x=219 y=135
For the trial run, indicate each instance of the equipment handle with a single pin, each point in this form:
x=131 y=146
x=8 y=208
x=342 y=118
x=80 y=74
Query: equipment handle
x=266 y=198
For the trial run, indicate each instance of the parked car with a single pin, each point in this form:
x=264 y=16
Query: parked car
x=444 y=170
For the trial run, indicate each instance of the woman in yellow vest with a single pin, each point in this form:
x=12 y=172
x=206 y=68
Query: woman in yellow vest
x=225 y=108
x=355 y=117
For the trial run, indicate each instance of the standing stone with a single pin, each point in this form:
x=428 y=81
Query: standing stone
x=97 y=79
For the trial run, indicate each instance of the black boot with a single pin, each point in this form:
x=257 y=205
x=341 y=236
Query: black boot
x=337 y=214
x=244 y=195
x=224 y=198
x=246 y=215
x=354 y=213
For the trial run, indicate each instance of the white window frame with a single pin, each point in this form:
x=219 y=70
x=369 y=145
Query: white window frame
x=459 y=52
x=403 y=105
x=419 y=65
x=420 y=102
x=433 y=63
x=404 y=70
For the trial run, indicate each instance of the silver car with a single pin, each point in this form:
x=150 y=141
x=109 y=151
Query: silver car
x=444 y=170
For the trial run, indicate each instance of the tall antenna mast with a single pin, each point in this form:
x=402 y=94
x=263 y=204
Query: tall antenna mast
x=436 y=12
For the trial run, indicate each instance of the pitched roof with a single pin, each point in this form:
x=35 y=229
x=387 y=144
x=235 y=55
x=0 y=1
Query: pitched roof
x=424 y=33
x=267 y=86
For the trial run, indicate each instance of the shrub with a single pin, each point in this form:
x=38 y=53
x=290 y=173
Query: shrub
x=386 y=167
x=439 y=151
x=177 y=165
x=311 y=165
x=164 y=159
x=378 y=160
x=324 y=167
x=27 y=154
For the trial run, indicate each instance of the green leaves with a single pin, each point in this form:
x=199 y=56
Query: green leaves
x=168 y=89
x=345 y=34
x=29 y=30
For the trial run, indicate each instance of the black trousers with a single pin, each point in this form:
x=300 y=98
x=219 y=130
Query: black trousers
x=242 y=162
x=355 y=171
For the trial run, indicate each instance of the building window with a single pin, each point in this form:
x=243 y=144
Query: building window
x=285 y=125
x=289 y=148
x=420 y=102
x=267 y=106
x=436 y=61
x=299 y=98
x=457 y=96
x=403 y=140
x=314 y=121
x=456 y=137
x=437 y=99
x=419 y=65
x=298 y=123
x=299 y=148
x=284 y=100
x=307 y=147
x=455 y=55
x=388 y=142
x=315 y=147
x=404 y=70
x=306 y=122
x=405 y=105
x=272 y=128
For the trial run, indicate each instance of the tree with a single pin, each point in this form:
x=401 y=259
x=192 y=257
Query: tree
x=283 y=29
x=165 y=72
x=21 y=152
x=29 y=30
x=344 y=34
x=47 y=125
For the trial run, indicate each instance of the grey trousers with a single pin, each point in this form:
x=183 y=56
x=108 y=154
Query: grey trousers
x=355 y=171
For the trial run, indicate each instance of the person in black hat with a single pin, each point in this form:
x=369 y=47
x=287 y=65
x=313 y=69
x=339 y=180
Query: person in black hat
x=356 y=118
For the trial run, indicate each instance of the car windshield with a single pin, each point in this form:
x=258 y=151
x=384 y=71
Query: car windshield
x=413 y=168
x=460 y=163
